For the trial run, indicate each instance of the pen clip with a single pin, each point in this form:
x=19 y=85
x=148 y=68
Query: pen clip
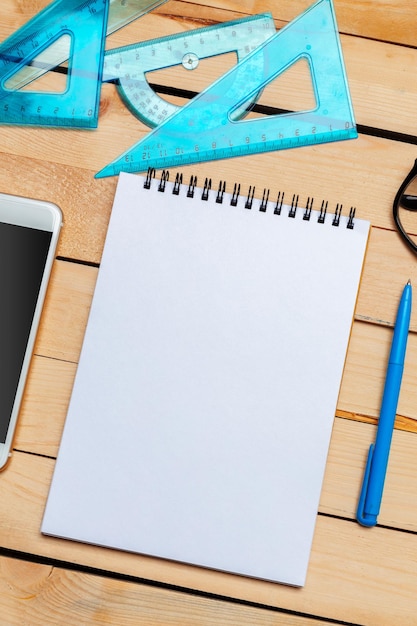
x=362 y=517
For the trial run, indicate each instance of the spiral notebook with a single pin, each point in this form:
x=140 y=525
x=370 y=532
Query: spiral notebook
x=204 y=399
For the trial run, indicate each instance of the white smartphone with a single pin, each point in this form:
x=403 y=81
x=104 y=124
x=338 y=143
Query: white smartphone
x=29 y=232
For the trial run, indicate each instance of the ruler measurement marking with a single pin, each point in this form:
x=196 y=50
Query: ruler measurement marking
x=206 y=124
x=129 y=65
x=35 y=49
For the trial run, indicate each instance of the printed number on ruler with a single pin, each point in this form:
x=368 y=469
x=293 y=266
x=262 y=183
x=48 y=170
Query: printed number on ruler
x=129 y=65
x=206 y=129
x=44 y=42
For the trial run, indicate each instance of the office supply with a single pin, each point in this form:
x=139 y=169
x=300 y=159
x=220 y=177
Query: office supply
x=204 y=129
x=120 y=14
x=206 y=390
x=74 y=29
x=405 y=206
x=84 y=24
x=376 y=466
x=130 y=64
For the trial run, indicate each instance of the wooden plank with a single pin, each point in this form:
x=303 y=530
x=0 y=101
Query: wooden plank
x=365 y=370
x=44 y=406
x=66 y=310
x=85 y=203
x=37 y=594
x=392 y=22
x=343 y=554
x=374 y=103
x=344 y=473
x=388 y=265
x=340 y=174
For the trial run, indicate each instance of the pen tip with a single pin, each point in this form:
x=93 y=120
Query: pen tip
x=409 y=282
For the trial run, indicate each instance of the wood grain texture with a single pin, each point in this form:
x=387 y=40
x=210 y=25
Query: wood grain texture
x=365 y=368
x=350 y=574
x=340 y=174
x=380 y=20
x=363 y=577
x=42 y=595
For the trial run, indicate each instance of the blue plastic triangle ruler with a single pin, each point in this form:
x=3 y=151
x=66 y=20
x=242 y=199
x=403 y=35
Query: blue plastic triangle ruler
x=85 y=22
x=121 y=13
x=129 y=65
x=204 y=129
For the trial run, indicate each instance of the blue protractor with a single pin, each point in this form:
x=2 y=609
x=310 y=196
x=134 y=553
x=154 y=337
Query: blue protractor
x=129 y=65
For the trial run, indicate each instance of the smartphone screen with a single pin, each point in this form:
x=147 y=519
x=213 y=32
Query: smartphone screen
x=23 y=254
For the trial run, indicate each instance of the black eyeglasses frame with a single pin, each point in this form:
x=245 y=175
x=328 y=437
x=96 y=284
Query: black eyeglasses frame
x=396 y=206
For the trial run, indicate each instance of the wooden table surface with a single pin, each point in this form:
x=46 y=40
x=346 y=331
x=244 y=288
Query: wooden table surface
x=357 y=576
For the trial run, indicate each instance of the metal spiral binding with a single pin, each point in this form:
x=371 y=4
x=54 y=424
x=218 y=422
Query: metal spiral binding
x=235 y=195
x=250 y=198
x=150 y=174
x=323 y=211
x=163 y=181
x=350 y=223
x=177 y=184
x=264 y=201
x=308 y=209
x=206 y=190
x=294 y=206
x=221 y=191
x=279 y=203
x=191 y=187
x=337 y=214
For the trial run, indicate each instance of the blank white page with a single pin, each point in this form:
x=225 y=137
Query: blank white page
x=203 y=405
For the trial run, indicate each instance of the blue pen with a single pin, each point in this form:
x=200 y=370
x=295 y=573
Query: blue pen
x=376 y=466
